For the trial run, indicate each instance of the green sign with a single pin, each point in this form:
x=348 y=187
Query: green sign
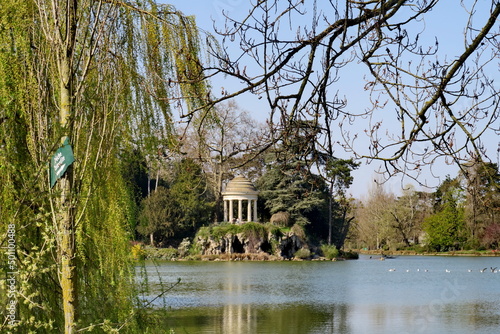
x=60 y=162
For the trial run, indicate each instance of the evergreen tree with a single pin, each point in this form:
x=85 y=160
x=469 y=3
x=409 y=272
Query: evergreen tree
x=192 y=203
x=289 y=186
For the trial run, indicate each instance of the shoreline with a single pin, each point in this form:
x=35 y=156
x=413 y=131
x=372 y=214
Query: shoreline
x=168 y=255
x=248 y=257
x=487 y=253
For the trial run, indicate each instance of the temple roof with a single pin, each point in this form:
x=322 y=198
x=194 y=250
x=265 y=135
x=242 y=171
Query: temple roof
x=240 y=186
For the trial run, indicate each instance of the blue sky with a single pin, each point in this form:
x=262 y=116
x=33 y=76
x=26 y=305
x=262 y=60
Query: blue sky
x=446 y=21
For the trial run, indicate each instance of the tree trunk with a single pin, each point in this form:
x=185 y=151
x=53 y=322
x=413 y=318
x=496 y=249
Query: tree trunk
x=67 y=227
x=67 y=254
x=66 y=219
x=330 y=212
x=152 y=239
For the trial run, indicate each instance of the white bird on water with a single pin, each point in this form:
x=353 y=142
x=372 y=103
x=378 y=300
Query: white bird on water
x=448 y=271
x=392 y=269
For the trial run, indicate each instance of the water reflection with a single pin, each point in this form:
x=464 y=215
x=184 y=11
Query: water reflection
x=236 y=319
x=300 y=319
x=349 y=297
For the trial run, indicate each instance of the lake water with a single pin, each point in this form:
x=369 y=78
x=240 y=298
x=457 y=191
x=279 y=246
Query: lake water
x=408 y=294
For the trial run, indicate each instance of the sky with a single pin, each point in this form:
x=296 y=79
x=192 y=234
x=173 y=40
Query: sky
x=441 y=22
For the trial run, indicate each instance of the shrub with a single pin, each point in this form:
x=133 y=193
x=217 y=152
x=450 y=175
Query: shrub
x=161 y=253
x=204 y=232
x=256 y=229
x=218 y=232
x=349 y=255
x=195 y=249
x=184 y=247
x=298 y=231
x=417 y=248
x=303 y=253
x=138 y=252
x=330 y=251
x=280 y=218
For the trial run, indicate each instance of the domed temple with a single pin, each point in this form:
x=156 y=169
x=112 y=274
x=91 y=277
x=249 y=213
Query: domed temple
x=242 y=190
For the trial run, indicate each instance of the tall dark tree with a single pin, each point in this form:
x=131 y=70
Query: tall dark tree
x=338 y=174
x=192 y=201
x=482 y=184
x=289 y=185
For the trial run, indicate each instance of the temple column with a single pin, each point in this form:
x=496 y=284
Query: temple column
x=240 y=209
x=225 y=210
x=230 y=210
x=255 y=210
x=249 y=210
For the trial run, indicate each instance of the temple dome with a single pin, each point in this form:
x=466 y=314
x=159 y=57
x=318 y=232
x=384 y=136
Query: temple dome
x=240 y=186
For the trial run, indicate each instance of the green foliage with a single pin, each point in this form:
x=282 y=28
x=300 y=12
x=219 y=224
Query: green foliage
x=190 y=203
x=339 y=172
x=138 y=252
x=330 y=251
x=167 y=254
x=218 y=232
x=449 y=190
x=276 y=231
x=254 y=229
x=246 y=229
x=133 y=169
x=446 y=228
x=195 y=249
x=290 y=187
x=303 y=254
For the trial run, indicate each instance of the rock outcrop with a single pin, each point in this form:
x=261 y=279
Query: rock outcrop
x=279 y=244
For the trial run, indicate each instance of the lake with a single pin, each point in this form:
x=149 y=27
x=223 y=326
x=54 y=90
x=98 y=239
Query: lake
x=407 y=294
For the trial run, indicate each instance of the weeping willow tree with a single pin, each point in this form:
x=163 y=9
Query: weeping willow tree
x=102 y=77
